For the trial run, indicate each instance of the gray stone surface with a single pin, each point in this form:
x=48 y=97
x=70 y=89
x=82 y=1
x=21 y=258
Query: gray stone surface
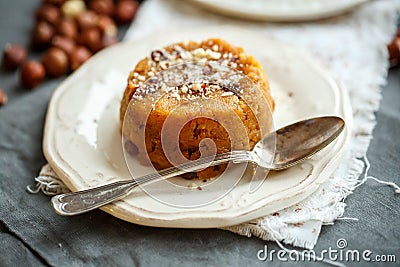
x=31 y=234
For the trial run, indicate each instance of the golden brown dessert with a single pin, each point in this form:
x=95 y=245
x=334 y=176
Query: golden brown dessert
x=199 y=110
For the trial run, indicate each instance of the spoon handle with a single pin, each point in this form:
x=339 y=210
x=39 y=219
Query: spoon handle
x=82 y=201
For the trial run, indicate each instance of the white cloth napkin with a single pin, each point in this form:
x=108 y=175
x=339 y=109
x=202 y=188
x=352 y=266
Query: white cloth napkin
x=353 y=48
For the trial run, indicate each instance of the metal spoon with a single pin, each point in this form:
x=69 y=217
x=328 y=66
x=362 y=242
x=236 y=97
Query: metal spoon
x=294 y=144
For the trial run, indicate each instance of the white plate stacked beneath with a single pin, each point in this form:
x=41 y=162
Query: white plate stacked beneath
x=82 y=140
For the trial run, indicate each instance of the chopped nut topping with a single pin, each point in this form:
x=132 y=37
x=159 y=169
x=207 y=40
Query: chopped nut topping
x=212 y=55
x=141 y=78
x=199 y=52
x=164 y=65
x=229 y=93
x=178 y=56
x=196 y=87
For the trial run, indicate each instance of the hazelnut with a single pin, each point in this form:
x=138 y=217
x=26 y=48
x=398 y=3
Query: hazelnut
x=54 y=2
x=394 y=52
x=103 y=7
x=91 y=38
x=68 y=28
x=42 y=35
x=32 y=74
x=13 y=56
x=3 y=98
x=79 y=56
x=64 y=43
x=125 y=11
x=87 y=19
x=72 y=8
x=55 y=62
x=107 y=26
x=48 y=13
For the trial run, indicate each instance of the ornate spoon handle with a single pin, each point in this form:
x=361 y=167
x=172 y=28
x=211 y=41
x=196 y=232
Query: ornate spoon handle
x=82 y=201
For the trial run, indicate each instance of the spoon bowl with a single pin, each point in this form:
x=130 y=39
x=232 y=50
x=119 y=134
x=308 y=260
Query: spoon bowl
x=297 y=142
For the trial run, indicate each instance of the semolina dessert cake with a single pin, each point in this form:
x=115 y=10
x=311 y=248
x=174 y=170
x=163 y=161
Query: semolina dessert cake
x=195 y=110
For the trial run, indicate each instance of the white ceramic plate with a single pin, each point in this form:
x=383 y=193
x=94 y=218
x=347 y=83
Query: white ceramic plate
x=82 y=140
x=280 y=10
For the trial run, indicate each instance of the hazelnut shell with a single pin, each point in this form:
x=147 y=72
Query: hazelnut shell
x=42 y=35
x=68 y=27
x=48 y=13
x=13 y=56
x=79 y=56
x=125 y=11
x=103 y=7
x=32 y=74
x=55 y=62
